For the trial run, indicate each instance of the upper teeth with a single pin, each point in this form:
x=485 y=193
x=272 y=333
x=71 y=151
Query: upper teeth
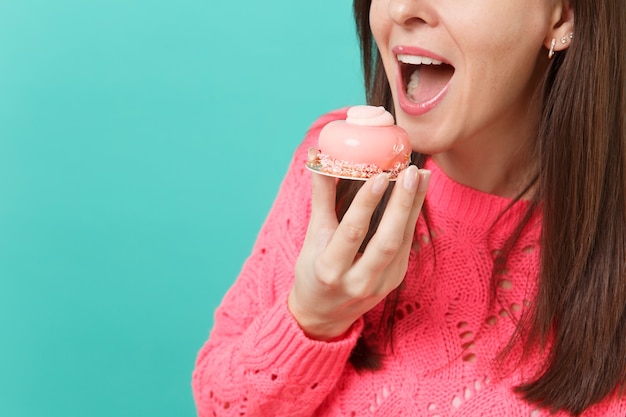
x=418 y=60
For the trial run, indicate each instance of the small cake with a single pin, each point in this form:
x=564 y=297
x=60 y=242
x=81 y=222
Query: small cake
x=365 y=144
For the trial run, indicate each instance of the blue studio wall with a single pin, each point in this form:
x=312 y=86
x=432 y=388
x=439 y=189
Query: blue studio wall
x=141 y=146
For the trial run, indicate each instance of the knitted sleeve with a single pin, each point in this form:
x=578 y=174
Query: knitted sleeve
x=257 y=361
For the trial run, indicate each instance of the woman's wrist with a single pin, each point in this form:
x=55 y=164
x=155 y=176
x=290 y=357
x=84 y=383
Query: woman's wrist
x=316 y=328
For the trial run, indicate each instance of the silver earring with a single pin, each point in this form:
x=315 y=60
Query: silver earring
x=551 y=51
x=564 y=39
x=571 y=35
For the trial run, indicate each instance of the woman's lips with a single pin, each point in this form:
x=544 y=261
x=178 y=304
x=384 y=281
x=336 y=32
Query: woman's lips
x=411 y=50
x=422 y=79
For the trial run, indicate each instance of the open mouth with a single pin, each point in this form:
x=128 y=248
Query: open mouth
x=424 y=78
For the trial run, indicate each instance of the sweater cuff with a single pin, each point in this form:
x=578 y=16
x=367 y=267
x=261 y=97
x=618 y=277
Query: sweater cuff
x=277 y=343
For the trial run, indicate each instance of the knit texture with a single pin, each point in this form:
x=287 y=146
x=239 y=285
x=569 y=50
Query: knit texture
x=450 y=323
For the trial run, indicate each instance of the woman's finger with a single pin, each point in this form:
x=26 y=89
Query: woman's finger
x=420 y=196
x=354 y=225
x=323 y=201
x=394 y=235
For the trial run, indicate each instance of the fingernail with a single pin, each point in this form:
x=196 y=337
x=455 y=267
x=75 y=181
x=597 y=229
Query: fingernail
x=424 y=180
x=312 y=153
x=380 y=184
x=410 y=178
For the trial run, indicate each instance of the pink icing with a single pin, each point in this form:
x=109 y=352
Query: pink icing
x=368 y=136
x=369 y=116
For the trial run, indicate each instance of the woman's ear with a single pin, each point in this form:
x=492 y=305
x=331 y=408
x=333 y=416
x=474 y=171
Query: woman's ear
x=561 y=32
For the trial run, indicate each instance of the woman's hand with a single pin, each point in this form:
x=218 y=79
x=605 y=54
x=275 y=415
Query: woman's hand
x=334 y=285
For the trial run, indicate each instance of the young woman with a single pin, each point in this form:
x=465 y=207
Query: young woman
x=492 y=280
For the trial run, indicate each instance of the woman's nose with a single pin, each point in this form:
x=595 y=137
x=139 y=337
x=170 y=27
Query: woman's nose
x=410 y=12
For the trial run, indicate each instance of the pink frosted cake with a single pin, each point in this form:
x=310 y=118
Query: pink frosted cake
x=365 y=144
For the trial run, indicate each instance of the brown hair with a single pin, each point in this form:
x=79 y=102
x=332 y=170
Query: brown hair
x=581 y=187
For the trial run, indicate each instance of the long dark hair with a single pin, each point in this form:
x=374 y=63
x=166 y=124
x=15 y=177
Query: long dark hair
x=581 y=187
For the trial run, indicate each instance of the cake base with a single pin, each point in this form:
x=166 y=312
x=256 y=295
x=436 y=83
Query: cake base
x=326 y=165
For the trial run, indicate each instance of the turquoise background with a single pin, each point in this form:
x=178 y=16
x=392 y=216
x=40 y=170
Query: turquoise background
x=141 y=146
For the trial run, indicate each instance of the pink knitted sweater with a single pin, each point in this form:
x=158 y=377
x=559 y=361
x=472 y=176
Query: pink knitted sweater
x=257 y=361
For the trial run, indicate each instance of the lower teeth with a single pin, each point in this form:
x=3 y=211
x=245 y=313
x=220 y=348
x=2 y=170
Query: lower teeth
x=413 y=83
